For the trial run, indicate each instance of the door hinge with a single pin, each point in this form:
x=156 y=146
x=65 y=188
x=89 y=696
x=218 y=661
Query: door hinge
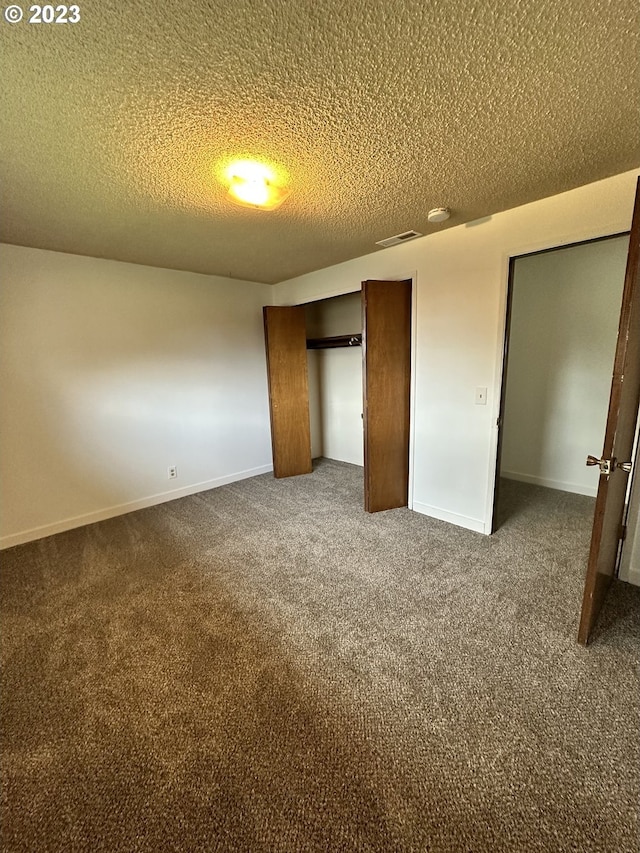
x=622 y=532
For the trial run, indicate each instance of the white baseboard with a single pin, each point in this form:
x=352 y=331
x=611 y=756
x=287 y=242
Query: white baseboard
x=131 y=506
x=562 y=486
x=474 y=524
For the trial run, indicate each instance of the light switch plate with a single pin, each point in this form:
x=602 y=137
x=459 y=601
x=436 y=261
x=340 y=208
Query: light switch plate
x=481 y=395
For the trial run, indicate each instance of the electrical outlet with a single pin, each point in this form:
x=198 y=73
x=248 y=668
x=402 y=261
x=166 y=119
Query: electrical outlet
x=172 y=472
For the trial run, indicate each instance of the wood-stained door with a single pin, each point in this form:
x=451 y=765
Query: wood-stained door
x=286 y=345
x=618 y=443
x=386 y=345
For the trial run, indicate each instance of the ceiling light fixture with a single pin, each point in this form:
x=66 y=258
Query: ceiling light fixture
x=253 y=184
x=438 y=214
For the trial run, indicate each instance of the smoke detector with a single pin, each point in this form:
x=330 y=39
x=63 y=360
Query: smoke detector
x=438 y=214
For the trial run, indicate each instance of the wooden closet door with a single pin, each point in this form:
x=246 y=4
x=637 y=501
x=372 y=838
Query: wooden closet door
x=624 y=402
x=386 y=345
x=286 y=345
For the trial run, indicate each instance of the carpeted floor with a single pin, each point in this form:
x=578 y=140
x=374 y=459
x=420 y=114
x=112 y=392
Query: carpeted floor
x=265 y=667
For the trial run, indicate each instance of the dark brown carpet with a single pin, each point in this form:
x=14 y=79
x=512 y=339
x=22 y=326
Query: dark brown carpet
x=264 y=667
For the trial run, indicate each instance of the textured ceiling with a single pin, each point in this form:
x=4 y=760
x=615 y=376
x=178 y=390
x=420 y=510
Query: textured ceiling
x=114 y=128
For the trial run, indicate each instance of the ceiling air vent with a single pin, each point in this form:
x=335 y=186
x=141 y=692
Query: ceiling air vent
x=399 y=238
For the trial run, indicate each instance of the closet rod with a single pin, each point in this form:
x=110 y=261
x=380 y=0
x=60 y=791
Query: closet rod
x=335 y=341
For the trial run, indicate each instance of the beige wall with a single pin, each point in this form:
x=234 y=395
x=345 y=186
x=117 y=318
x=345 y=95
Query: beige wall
x=111 y=372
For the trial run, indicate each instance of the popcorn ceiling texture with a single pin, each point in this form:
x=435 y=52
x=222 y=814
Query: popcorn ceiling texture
x=114 y=129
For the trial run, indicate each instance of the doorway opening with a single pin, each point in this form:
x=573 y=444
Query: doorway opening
x=563 y=310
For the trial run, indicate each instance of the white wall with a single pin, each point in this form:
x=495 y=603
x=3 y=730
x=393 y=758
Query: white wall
x=564 y=325
x=339 y=404
x=461 y=280
x=630 y=560
x=335 y=381
x=315 y=404
x=111 y=372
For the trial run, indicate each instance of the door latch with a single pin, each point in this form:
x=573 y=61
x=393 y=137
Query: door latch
x=606 y=465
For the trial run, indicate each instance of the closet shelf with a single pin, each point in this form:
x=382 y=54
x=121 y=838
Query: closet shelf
x=335 y=341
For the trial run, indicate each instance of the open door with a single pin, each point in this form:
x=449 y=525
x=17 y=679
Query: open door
x=386 y=354
x=615 y=462
x=286 y=344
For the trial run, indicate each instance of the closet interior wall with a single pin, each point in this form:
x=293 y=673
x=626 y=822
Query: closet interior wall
x=335 y=380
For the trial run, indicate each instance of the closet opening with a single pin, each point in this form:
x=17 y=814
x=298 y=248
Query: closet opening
x=334 y=366
x=563 y=310
x=339 y=372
